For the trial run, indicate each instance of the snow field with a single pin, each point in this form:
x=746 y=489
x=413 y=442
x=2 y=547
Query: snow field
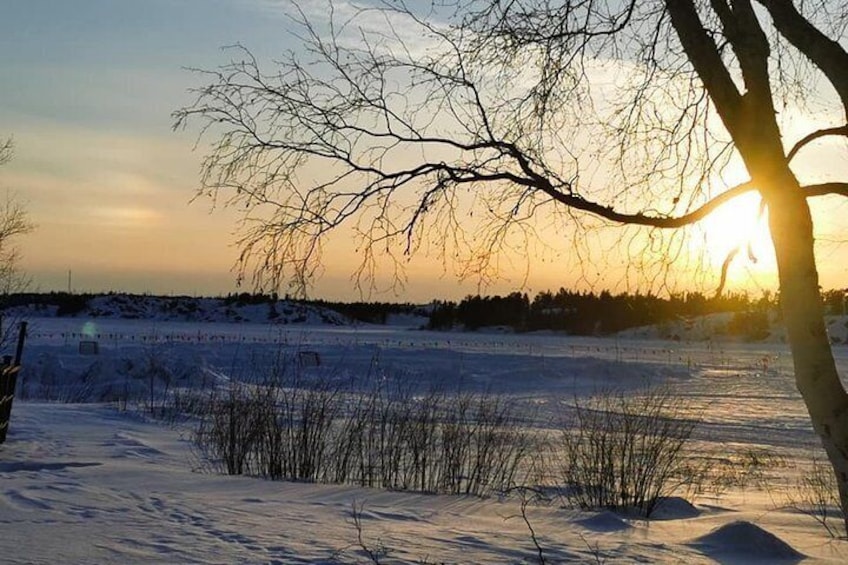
x=92 y=484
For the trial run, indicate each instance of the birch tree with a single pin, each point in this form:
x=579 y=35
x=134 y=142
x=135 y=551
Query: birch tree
x=620 y=112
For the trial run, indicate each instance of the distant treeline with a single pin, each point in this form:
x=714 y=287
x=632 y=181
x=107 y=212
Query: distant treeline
x=368 y=312
x=587 y=313
x=573 y=312
x=371 y=312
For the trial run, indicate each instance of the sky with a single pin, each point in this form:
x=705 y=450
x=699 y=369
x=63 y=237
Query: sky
x=87 y=88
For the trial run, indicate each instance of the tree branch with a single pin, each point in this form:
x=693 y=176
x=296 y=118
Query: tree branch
x=841 y=130
x=577 y=202
x=825 y=53
x=825 y=189
x=725 y=266
x=704 y=55
x=393 y=140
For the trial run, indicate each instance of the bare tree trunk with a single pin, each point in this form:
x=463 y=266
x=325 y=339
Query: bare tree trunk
x=815 y=370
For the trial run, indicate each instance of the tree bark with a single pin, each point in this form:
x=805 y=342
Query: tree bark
x=750 y=118
x=815 y=370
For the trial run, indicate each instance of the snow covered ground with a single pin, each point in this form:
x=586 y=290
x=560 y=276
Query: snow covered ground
x=85 y=482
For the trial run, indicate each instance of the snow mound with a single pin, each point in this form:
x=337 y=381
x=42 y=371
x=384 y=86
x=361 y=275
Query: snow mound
x=747 y=542
x=674 y=508
x=604 y=522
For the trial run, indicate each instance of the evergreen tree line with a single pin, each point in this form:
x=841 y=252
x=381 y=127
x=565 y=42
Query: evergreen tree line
x=587 y=313
x=369 y=312
x=573 y=312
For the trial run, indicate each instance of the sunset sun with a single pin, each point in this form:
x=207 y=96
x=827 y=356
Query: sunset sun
x=737 y=224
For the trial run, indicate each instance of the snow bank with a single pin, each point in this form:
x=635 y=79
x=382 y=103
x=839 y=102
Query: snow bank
x=744 y=541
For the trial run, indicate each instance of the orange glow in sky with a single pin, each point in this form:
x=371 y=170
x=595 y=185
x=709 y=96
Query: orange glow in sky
x=88 y=95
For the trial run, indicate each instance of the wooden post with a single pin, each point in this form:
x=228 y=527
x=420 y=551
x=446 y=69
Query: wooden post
x=8 y=382
x=21 y=337
x=7 y=393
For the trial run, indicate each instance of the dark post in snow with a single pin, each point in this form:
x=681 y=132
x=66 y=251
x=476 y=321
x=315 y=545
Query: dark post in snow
x=20 y=350
x=8 y=381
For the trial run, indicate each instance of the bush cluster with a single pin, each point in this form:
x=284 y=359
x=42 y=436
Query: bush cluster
x=626 y=451
x=320 y=430
x=619 y=450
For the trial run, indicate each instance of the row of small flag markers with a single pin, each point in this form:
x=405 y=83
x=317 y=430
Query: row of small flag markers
x=157 y=337
x=286 y=338
x=282 y=339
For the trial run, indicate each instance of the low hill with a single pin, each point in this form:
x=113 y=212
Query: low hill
x=174 y=308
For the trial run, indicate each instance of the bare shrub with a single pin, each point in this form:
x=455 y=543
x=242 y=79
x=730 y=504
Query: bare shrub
x=439 y=441
x=327 y=430
x=181 y=405
x=373 y=437
x=497 y=447
x=626 y=451
x=529 y=496
x=230 y=429
x=816 y=494
x=297 y=434
x=373 y=551
x=740 y=468
x=157 y=375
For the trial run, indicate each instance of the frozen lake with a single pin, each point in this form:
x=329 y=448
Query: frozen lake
x=745 y=393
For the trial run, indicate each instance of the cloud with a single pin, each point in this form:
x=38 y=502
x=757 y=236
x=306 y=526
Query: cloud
x=133 y=217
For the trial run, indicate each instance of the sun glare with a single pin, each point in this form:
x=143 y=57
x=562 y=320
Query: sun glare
x=736 y=225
